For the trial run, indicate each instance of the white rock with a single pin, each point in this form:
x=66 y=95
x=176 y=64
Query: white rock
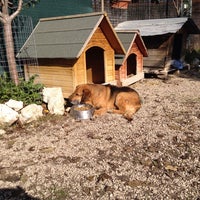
x=196 y=62
x=7 y=115
x=30 y=113
x=2 y=132
x=54 y=99
x=16 y=105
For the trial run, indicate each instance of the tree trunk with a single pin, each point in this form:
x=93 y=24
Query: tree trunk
x=6 y=20
x=10 y=51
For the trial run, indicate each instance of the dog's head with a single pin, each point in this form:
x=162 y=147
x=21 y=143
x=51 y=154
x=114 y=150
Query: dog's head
x=80 y=95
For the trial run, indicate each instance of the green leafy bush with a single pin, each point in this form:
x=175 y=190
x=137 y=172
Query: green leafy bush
x=190 y=55
x=26 y=91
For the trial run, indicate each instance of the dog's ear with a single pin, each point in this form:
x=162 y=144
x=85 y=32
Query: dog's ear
x=86 y=95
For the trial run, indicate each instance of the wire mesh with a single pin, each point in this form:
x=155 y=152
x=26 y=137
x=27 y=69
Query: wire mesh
x=136 y=10
x=21 y=29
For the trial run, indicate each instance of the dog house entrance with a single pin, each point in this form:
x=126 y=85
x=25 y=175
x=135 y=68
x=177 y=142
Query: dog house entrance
x=177 y=47
x=131 y=65
x=95 y=65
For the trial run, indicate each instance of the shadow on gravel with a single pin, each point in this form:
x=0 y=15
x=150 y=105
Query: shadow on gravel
x=17 y=193
x=193 y=74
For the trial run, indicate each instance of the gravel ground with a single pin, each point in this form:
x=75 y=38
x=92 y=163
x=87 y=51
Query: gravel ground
x=155 y=156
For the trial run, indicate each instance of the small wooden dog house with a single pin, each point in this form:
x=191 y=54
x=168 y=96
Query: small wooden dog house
x=166 y=39
x=73 y=50
x=129 y=68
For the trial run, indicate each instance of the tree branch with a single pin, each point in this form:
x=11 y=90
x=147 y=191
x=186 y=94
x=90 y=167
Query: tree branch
x=18 y=10
x=177 y=7
x=2 y=15
x=2 y=19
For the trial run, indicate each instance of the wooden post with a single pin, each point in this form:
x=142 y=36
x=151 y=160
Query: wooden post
x=166 y=9
x=102 y=5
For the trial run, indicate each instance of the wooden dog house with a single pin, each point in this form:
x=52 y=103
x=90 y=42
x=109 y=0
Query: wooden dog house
x=73 y=50
x=166 y=39
x=129 y=68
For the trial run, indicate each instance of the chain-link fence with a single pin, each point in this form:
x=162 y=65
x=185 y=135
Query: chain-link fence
x=21 y=29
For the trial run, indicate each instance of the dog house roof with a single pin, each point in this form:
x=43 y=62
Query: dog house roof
x=128 y=38
x=153 y=27
x=66 y=37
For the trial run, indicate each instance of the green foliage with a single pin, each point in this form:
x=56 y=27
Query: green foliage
x=26 y=3
x=26 y=91
x=30 y=3
x=58 y=194
x=190 y=55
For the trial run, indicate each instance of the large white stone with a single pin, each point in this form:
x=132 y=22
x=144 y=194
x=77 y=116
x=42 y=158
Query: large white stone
x=30 y=113
x=16 y=105
x=7 y=115
x=54 y=99
x=2 y=132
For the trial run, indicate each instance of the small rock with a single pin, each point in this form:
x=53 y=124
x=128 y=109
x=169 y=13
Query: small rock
x=16 y=105
x=7 y=115
x=30 y=113
x=54 y=99
x=2 y=132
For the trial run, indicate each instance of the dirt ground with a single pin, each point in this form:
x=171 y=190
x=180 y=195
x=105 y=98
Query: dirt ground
x=155 y=156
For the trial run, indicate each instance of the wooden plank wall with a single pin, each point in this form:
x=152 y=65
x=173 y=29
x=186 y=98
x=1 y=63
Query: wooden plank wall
x=195 y=39
x=135 y=49
x=156 y=58
x=196 y=12
x=99 y=39
x=79 y=68
x=54 y=76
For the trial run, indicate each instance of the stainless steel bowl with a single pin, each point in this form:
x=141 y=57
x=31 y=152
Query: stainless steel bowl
x=82 y=111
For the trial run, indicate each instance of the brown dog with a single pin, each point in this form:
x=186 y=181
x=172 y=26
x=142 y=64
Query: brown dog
x=107 y=98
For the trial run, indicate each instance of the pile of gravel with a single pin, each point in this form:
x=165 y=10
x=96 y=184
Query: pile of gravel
x=155 y=156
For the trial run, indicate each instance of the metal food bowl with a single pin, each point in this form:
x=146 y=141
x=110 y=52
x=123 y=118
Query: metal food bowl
x=82 y=111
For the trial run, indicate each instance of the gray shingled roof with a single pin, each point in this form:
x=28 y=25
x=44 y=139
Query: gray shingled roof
x=127 y=38
x=63 y=37
x=152 y=27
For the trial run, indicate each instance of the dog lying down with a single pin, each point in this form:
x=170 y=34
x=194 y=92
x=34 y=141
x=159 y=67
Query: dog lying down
x=107 y=98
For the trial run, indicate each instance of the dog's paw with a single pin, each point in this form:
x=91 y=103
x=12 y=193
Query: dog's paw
x=110 y=111
x=128 y=117
x=100 y=112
